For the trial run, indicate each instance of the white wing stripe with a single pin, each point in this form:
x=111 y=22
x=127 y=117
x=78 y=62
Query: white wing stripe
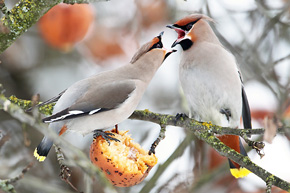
x=94 y=111
x=74 y=112
x=70 y=113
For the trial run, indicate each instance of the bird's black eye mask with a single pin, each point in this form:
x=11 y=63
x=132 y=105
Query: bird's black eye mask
x=158 y=44
x=153 y=44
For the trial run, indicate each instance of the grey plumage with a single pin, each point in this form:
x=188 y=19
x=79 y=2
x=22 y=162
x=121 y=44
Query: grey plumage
x=105 y=99
x=208 y=88
x=211 y=81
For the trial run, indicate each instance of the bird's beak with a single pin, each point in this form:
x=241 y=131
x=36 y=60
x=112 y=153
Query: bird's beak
x=168 y=52
x=170 y=26
x=181 y=34
x=175 y=43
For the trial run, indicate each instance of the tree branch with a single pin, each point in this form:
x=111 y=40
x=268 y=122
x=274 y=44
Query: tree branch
x=23 y=15
x=204 y=131
x=20 y=18
x=178 y=152
x=193 y=125
x=6 y=184
x=74 y=155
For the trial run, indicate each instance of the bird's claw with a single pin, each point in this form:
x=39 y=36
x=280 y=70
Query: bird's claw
x=106 y=136
x=179 y=116
x=259 y=146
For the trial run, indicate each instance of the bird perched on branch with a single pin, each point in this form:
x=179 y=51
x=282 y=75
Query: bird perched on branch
x=105 y=99
x=211 y=81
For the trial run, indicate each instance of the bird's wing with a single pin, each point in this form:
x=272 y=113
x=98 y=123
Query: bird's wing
x=105 y=97
x=246 y=112
x=49 y=101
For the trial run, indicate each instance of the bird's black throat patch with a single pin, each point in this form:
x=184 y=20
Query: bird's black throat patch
x=186 y=44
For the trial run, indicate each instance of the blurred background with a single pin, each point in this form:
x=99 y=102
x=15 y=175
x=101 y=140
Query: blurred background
x=105 y=35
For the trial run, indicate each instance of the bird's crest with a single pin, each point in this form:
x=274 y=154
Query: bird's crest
x=147 y=47
x=192 y=18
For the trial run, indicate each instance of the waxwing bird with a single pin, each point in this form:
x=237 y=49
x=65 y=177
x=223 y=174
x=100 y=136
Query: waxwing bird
x=106 y=99
x=211 y=81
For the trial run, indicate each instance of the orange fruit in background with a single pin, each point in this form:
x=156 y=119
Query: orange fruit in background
x=286 y=113
x=104 y=43
x=64 y=25
x=152 y=11
x=124 y=163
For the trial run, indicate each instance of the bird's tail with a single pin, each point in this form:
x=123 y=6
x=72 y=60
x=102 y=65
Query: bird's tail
x=42 y=149
x=235 y=143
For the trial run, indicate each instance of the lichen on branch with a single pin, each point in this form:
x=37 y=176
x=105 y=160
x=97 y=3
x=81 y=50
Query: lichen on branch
x=73 y=154
x=23 y=15
x=20 y=18
x=204 y=131
x=26 y=104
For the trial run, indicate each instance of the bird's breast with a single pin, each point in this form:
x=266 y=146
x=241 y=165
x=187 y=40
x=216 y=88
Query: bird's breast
x=208 y=90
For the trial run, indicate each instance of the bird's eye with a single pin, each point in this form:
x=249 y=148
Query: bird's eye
x=159 y=45
x=189 y=26
x=156 y=45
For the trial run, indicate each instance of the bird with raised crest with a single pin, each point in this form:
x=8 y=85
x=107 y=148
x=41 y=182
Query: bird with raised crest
x=211 y=81
x=105 y=99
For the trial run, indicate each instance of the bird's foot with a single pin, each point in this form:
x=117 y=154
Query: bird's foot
x=106 y=136
x=179 y=116
x=259 y=147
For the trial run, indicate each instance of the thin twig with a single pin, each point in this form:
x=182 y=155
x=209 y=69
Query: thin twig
x=269 y=186
x=178 y=151
x=6 y=185
x=73 y=154
x=65 y=171
x=204 y=131
x=20 y=176
x=281 y=59
x=160 y=137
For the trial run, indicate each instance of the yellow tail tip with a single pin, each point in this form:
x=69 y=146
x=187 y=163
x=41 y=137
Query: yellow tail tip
x=240 y=173
x=40 y=158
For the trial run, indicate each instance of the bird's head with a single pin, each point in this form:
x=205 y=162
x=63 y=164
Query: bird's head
x=152 y=51
x=190 y=29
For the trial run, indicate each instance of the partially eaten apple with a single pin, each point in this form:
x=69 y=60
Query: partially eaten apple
x=125 y=163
